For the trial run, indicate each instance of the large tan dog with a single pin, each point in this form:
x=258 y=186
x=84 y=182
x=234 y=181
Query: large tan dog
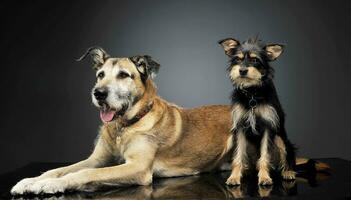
x=142 y=135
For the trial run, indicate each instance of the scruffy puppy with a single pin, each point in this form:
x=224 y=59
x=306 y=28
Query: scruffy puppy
x=257 y=116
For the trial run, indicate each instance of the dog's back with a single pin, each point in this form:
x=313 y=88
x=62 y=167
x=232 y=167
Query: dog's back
x=203 y=143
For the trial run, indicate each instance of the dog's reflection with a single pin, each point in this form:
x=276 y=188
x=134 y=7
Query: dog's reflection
x=205 y=186
x=252 y=189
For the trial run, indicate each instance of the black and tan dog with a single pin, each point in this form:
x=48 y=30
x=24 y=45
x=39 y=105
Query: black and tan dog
x=142 y=136
x=258 y=117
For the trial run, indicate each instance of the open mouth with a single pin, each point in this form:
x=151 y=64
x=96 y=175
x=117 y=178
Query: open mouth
x=108 y=114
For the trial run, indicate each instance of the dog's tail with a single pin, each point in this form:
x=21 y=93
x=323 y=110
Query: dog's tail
x=309 y=165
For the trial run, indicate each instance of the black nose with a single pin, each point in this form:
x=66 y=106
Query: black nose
x=100 y=94
x=243 y=71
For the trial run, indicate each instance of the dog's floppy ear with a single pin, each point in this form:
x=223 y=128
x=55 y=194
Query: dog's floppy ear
x=146 y=66
x=98 y=55
x=273 y=51
x=228 y=45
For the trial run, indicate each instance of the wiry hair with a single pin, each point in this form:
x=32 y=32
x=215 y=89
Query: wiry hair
x=254 y=39
x=255 y=44
x=257 y=114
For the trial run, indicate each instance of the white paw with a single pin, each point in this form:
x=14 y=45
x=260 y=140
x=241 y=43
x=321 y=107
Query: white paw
x=22 y=186
x=48 y=186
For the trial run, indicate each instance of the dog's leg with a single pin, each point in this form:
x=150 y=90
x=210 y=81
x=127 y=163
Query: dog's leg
x=286 y=166
x=239 y=161
x=98 y=158
x=139 y=155
x=263 y=163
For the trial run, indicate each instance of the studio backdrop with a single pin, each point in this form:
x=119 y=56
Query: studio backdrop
x=47 y=114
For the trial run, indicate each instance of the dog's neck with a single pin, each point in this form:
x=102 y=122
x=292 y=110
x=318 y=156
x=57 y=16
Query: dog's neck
x=139 y=110
x=142 y=106
x=258 y=94
x=124 y=122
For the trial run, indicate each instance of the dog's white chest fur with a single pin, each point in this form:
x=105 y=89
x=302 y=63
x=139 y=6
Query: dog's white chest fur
x=265 y=112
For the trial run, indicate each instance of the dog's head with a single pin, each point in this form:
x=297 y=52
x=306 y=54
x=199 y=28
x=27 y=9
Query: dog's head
x=249 y=61
x=120 y=83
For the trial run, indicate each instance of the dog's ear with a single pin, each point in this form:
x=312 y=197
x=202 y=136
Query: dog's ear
x=98 y=55
x=273 y=51
x=146 y=66
x=229 y=44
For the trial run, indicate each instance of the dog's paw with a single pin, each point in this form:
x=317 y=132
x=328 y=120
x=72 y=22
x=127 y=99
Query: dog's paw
x=265 y=180
x=288 y=175
x=22 y=186
x=48 y=186
x=288 y=185
x=237 y=192
x=233 y=180
x=265 y=191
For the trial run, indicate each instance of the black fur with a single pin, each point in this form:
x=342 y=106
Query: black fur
x=266 y=95
x=146 y=66
x=98 y=55
x=261 y=94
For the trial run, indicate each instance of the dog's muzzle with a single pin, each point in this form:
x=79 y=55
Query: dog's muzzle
x=108 y=114
x=100 y=94
x=243 y=72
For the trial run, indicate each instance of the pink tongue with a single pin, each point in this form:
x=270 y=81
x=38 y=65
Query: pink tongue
x=107 y=116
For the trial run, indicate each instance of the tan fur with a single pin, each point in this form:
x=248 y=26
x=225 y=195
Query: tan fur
x=239 y=160
x=237 y=192
x=319 y=165
x=263 y=163
x=265 y=191
x=167 y=141
x=238 y=113
x=240 y=55
x=274 y=51
x=282 y=152
x=253 y=76
x=245 y=191
x=287 y=173
x=229 y=44
x=269 y=114
x=253 y=55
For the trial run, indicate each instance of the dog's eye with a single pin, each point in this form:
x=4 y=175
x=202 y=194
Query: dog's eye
x=101 y=75
x=237 y=59
x=122 y=75
x=255 y=60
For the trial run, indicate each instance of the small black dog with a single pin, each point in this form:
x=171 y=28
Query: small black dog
x=258 y=118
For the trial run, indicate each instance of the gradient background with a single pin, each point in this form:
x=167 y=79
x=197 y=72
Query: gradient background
x=46 y=110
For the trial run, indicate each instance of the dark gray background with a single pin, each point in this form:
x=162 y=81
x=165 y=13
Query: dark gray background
x=47 y=114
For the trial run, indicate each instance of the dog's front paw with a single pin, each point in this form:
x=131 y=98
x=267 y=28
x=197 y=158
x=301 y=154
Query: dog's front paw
x=265 y=191
x=288 y=175
x=49 y=186
x=22 y=186
x=265 y=180
x=233 y=180
x=237 y=192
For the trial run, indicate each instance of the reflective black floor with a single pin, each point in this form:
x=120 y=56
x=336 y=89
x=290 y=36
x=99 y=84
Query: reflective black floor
x=334 y=185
